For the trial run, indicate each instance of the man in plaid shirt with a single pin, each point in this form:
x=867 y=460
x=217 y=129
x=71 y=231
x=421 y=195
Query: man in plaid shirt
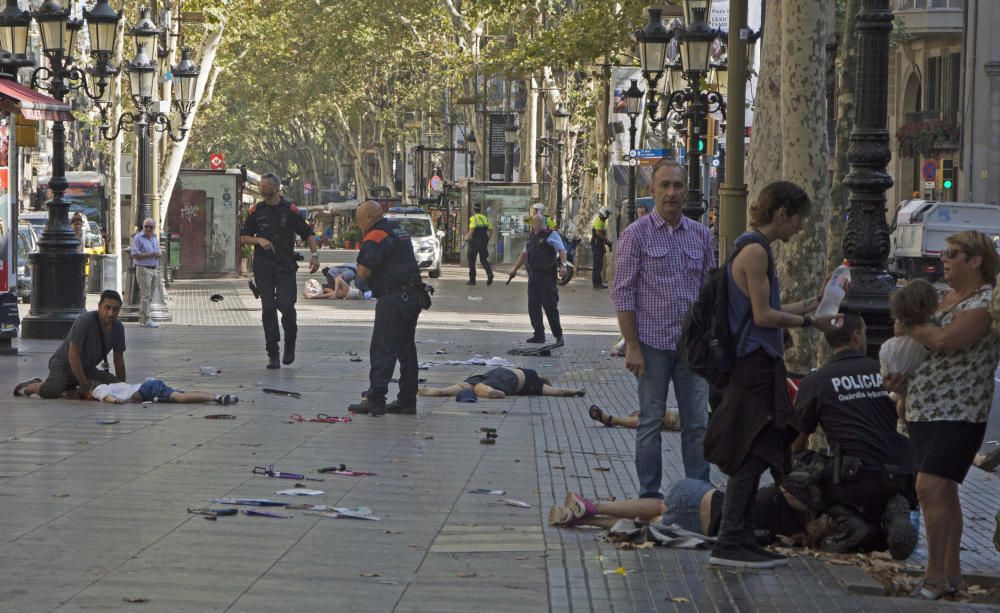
x=661 y=262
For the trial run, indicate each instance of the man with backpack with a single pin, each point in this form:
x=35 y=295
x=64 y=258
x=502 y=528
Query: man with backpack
x=662 y=261
x=754 y=425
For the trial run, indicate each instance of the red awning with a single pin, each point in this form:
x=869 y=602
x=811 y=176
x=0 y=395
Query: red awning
x=35 y=106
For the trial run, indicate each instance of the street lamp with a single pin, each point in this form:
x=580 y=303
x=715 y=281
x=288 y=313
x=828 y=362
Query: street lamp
x=633 y=108
x=144 y=121
x=689 y=104
x=57 y=295
x=560 y=121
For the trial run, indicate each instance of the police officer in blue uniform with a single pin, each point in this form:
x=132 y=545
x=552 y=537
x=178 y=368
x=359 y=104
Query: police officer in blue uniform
x=271 y=227
x=545 y=254
x=387 y=266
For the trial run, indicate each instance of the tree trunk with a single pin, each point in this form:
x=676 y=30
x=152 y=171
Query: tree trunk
x=168 y=174
x=847 y=59
x=805 y=158
x=765 y=140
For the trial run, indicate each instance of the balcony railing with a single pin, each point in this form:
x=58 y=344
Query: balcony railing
x=926 y=17
x=925 y=134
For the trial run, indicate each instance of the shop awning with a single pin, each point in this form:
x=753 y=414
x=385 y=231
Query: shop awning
x=32 y=105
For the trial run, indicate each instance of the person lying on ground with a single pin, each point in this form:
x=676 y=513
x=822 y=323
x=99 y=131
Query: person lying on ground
x=671 y=419
x=337 y=286
x=502 y=382
x=155 y=390
x=81 y=361
x=696 y=506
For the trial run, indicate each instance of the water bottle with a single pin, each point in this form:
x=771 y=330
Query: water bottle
x=835 y=291
x=209 y=371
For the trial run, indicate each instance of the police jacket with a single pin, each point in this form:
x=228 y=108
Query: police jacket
x=388 y=252
x=541 y=255
x=480 y=226
x=847 y=398
x=279 y=224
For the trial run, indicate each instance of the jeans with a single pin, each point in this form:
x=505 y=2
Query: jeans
x=736 y=529
x=662 y=366
x=393 y=334
x=278 y=292
x=147 y=278
x=543 y=295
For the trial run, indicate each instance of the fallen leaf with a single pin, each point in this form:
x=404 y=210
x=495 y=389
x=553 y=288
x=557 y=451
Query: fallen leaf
x=560 y=467
x=603 y=469
x=679 y=599
x=370 y=575
x=135 y=600
x=393 y=531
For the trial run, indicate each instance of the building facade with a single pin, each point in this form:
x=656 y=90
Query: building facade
x=944 y=97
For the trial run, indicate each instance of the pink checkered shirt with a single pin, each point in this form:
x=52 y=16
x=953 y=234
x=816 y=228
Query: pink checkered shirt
x=659 y=271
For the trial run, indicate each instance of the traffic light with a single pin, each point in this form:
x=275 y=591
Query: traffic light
x=701 y=144
x=947 y=174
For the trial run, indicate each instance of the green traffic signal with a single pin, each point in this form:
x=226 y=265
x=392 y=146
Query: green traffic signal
x=947 y=184
x=701 y=145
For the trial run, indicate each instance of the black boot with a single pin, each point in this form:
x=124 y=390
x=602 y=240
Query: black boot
x=367 y=407
x=900 y=533
x=402 y=408
x=855 y=530
x=289 y=356
x=272 y=361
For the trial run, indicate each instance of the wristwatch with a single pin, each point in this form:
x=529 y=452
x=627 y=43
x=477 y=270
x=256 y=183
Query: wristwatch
x=807 y=321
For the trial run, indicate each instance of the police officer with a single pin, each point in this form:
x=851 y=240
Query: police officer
x=598 y=243
x=539 y=209
x=387 y=265
x=540 y=252
x=478 y=238
x=271 y=226
x=873 y=466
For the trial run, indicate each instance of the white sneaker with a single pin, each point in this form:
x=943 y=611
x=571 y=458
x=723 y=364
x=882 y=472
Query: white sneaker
x=150 y=324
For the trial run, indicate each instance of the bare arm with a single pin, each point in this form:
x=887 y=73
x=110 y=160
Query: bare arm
x=363 y=272
x=963 y=331
x=120 y=365
x=313 y=247
x=750 y=266
x=75 y=365
x=520 y=262
x=634 y=361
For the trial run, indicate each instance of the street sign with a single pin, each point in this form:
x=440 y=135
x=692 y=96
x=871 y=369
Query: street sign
x=929 y=184
x=648 y=153
x=436 y=183
x=217 y=161
x=633 y=162
x=929 y=170
x=715 y=163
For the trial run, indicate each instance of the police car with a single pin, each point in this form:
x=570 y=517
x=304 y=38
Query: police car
x=426 y=242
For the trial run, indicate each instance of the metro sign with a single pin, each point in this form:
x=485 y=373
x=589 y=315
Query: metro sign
x=217 y=161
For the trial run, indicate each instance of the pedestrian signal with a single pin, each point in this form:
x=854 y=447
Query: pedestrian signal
x=947 y=174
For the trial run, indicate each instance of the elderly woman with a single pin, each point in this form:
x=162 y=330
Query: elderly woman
x=948 y=400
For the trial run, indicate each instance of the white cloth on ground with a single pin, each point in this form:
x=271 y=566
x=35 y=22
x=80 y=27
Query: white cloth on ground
x=119 y=392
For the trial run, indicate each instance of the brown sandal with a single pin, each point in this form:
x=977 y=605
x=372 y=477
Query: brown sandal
x=598 y=415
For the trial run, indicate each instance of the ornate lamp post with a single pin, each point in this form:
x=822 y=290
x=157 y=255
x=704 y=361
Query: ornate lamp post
x=689 y=103
x=560 y=121
x=57 y=295
x=144 y=122
x=866 y=239
x=633 y=108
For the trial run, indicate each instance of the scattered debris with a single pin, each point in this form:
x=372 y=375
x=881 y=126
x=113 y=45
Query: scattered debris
x=678 y=599
x=221 y=416
x=516 y=503
x=275 y=514
x=110 y=421
x=350 y=513
x=256 y=502
x=603 y=469
x=213 y=513
x=369 y=575
x=216 y=297
x=209 y=371
x=277 y=474
x=483 y=490
x=468 y=574
x=491 y=436
x=135 y=600
x=476 y=298
x=268 y=390
x=343 y=471
x=321 y=418
x=617 y=571
x=354 y=356
x=300 y=492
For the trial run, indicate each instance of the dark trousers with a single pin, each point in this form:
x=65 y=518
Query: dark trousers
x=543 y=295
x=482 y=251
x=597 y=276
x=278 y=292
x=393 y=340
x=61 y=380
x=868 y=491
x=736 y=528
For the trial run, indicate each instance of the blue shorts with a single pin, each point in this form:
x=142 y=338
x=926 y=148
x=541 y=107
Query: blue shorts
x=683 y=502
x=155 y=390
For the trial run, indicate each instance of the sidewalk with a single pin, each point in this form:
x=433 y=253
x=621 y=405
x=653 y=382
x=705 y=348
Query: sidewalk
x=95 y=514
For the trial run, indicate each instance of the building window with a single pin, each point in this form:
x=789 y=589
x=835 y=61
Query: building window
x=914 y=5
x=942 y=82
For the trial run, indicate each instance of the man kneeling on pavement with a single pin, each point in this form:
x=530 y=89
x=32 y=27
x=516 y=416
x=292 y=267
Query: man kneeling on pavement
x=77 y=363
x=869 y=484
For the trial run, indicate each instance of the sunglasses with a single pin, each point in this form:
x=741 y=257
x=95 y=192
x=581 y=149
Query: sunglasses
x=951 y=254
x=149 y=226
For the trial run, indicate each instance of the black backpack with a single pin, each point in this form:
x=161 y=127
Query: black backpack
x=707 y=344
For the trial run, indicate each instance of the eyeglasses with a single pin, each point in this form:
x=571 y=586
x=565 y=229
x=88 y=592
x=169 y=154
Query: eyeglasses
x=150 y=226
x=951 y=254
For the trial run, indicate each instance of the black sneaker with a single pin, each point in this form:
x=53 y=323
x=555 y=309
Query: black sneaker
x=601 y=286
x=400 y=408
x=289 y=356
x=901 y=534
x=227 y=399
x=489 y=280
x=536 y=339
x=559 y=342
x=367 y=408
x=272 y=362
x=738 y=557
x=470 y=282
x=19 y=388
x=779 y=559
